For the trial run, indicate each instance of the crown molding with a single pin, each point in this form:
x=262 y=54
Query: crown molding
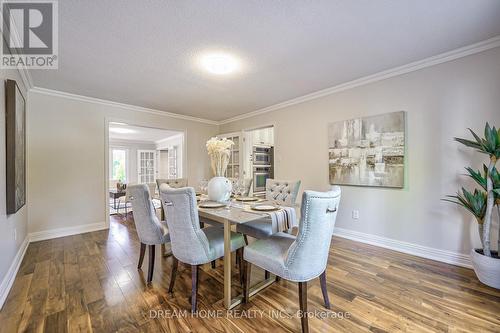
x=411 y=67
x=393 y=72
x=130 y=107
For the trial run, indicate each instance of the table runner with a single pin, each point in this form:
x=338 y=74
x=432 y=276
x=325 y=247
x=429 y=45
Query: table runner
x=284 y=219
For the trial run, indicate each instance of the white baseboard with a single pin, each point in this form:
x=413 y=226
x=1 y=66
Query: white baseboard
x=68 y=231
x=9 y=278
x=448 y=257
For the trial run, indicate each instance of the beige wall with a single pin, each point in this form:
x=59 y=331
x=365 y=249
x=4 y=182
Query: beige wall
x=441 y=102
x=66 y=169
x=14 y=222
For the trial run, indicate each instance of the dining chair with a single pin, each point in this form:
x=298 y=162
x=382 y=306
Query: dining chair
x=150 y=229
x=281 y=191
x=173 y=182
x=247 y=185
x=191 y=244
x=303 y=257
x=152 y=190
x=125 y=200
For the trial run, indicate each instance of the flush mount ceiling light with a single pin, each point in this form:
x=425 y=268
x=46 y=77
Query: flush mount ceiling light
x=219 y=63
x=121 y=130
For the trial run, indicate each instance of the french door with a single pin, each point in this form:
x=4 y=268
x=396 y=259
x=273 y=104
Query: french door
x=146 y=166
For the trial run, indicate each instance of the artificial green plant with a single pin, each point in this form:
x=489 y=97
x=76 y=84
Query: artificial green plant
x=481 y=202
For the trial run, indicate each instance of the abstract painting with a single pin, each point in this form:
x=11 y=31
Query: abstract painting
x=368 y=151
x=15 y=123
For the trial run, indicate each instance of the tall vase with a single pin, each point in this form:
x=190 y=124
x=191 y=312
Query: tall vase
x=219 y=189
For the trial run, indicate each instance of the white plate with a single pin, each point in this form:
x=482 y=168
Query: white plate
x=265 y=208
x=211 y=204
x=246 y=199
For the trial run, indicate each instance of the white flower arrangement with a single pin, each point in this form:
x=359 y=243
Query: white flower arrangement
x=219 y=150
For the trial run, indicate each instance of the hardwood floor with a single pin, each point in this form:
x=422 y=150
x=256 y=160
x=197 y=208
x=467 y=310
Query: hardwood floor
x=90 y=282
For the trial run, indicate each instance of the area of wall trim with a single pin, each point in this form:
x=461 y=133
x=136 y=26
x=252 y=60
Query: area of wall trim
x=448 y=257
x=9 y=278
x=63 y=232
x=389 y=73
x=392 y=72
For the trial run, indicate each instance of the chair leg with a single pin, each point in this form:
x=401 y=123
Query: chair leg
x=141 y=255
x=202 y=225
x=239 y=253
x=324 y=290
x=164 y=252
x=303 y=306
x=151 y=262
x=246 y=239
x=278 y=279
x=266 y=275
x=175 y=263
x=194 y=287
x=246 y=283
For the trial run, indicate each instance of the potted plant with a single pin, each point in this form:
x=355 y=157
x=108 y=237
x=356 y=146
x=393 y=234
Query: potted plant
x=481 y=203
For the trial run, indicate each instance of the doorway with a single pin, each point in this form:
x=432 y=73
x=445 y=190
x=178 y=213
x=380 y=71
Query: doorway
x=140 y=155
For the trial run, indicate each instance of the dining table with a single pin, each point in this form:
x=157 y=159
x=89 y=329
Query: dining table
x=115 y=194
x=232 y=213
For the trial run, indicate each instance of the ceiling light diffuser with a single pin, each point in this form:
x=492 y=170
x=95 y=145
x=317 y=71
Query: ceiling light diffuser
x=219 y=63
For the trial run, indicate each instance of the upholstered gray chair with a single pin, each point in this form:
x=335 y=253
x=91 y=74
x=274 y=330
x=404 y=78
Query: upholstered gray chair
x=247 y=185
x=303 y=257
x=152 y=190
x=175 y=182
x=282 y=191
x=191 y=244
x=150 y=230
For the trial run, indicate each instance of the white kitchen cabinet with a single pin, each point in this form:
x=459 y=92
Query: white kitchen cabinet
x=234 y=168
x=263 y=136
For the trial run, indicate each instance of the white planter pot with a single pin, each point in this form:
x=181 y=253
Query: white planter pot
x=219 y=189
x=487 y=269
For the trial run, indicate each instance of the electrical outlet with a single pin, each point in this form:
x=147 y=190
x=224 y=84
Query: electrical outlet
x=355 y=214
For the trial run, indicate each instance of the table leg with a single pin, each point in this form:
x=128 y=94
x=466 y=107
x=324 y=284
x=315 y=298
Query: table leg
x=227 y=265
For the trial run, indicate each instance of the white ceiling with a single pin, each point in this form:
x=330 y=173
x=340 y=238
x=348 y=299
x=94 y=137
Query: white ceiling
x=140 y=134
x=143 y=52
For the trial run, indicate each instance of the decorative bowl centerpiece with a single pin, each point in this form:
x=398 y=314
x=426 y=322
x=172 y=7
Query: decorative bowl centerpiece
x=219 y=187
